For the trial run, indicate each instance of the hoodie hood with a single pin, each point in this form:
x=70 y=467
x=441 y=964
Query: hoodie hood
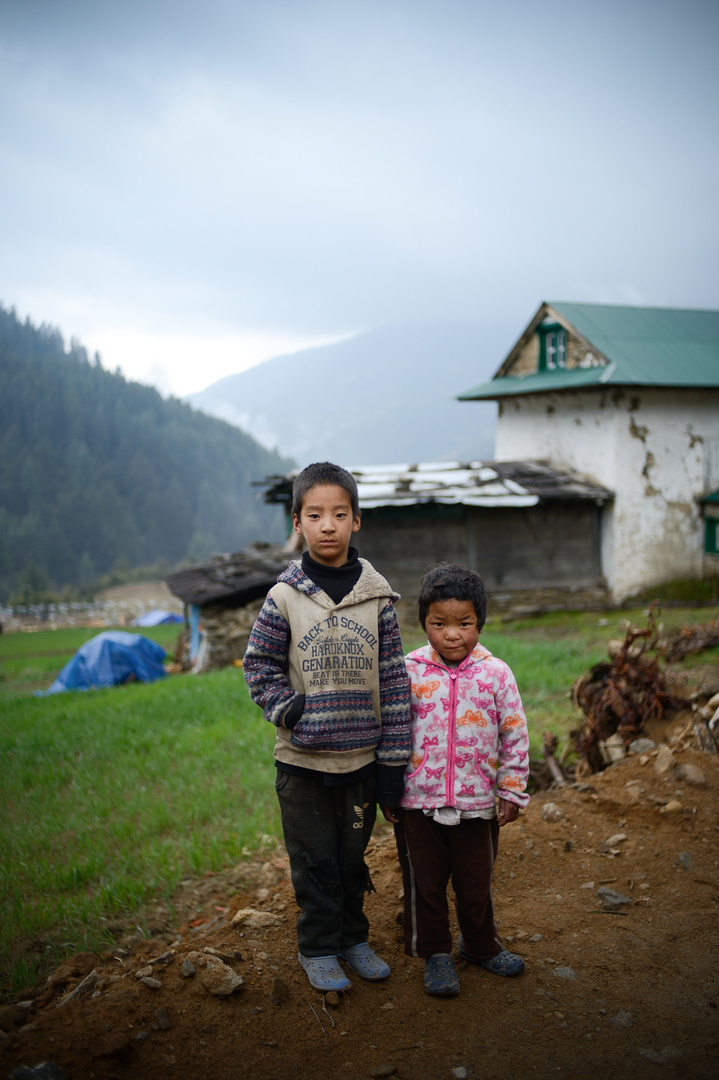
x=370 y=586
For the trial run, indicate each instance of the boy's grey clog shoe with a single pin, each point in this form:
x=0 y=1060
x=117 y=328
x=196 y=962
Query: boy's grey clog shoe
x=504 y=963
x=324 y=972
x=366 y=962
x=440 y=976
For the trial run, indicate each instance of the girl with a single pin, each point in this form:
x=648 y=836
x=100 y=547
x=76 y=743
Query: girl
x=469 y=743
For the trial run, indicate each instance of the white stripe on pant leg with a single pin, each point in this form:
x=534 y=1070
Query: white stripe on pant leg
x=491 y=879
x=412 y=903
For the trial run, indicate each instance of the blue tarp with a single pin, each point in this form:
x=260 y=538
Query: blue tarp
x=109 y=659
x=157 y=617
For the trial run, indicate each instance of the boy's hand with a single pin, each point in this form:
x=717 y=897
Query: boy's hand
x=508 y=811
x=389 y=813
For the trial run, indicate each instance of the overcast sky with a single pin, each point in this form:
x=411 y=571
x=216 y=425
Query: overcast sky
x=190 y=187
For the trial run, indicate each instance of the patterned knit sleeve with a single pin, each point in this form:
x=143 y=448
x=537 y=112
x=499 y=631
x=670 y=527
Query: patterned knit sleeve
x=395 y=741
x=265 y=664
x=513 y=767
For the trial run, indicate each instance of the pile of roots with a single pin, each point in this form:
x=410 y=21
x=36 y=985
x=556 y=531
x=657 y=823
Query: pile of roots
x=691 y=639
x=620 y=696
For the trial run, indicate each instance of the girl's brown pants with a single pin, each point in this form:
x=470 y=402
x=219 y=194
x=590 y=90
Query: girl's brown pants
x=432 y=855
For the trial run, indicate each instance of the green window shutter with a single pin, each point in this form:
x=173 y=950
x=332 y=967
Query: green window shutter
x=711 y=536
x=552 y=347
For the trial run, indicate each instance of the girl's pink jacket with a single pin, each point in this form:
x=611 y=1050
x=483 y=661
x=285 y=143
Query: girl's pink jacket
x=469 y=733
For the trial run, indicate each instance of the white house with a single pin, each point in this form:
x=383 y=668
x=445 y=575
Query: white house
x=628 y=397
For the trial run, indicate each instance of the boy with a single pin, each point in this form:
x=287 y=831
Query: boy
x=325 y=664
x=469 y=740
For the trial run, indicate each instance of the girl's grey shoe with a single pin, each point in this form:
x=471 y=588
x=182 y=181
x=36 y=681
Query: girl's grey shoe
x=504 y=963
x=440 y=975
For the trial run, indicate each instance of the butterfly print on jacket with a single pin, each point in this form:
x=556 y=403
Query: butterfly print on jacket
x=471 y=717
x=430 y=789
x=425 y=689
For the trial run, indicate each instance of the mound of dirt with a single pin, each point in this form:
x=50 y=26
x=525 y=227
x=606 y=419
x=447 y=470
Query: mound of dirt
x=623 y=987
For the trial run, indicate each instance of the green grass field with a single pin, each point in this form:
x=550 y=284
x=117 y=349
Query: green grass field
x=111 y=797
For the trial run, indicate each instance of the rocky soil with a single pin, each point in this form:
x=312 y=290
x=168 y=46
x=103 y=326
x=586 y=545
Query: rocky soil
x=620 y=988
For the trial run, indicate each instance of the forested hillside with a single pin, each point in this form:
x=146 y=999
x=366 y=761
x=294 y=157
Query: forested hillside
x=95 y=469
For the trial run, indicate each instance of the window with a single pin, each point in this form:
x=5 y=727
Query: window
x=552 y=348
x=711 y=536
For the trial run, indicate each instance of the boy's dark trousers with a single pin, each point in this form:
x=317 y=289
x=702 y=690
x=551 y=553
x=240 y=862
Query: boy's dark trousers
x=430 y=854
x=326 y=830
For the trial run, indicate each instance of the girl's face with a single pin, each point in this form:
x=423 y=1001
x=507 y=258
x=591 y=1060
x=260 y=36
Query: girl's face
x=452 y=628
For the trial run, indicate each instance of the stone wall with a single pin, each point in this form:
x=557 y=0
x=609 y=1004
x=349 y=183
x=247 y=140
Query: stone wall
x=227 y=631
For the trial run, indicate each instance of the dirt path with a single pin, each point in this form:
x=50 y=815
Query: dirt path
x=628 y=995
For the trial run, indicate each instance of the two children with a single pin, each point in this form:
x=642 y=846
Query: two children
x=325 y=664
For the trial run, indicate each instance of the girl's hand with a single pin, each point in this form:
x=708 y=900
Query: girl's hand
x=508 y=811
x=389 y=814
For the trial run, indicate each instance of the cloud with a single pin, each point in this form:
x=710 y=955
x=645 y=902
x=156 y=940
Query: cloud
x=302 y=170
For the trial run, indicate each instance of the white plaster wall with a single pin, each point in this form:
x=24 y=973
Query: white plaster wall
x=652 y=447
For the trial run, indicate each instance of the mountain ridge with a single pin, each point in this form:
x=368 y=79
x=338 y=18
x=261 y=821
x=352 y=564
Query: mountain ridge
x=385 y=395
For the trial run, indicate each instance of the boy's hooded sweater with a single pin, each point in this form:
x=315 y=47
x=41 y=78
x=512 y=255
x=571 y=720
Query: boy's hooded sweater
x=331 y=677
x=469 y=733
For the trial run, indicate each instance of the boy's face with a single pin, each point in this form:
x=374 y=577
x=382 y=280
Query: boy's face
x=452 y=628
x=326 y=523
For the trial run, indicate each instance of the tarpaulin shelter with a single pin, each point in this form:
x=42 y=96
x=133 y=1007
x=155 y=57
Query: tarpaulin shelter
x=157 y=617
x=111 y=658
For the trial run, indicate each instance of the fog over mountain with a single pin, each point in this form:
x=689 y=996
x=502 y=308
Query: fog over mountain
x=384 y=396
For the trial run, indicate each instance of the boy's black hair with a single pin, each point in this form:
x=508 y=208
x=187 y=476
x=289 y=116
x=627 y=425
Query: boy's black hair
x=452 y=582
x=324 y=472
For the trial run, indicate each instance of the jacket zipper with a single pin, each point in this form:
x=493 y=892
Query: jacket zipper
x=451 y=738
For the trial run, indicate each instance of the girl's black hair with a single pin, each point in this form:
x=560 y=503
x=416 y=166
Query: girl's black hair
x=324 y=472
x=452 y=582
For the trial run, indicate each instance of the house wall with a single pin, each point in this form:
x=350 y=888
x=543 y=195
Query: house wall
x=655 y=448
x=553 y=545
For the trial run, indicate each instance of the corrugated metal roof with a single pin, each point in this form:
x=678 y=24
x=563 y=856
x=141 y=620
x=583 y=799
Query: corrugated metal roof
x=475 y=483
x=644 y=347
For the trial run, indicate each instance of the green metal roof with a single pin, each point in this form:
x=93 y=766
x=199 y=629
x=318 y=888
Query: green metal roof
x=644 y=347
